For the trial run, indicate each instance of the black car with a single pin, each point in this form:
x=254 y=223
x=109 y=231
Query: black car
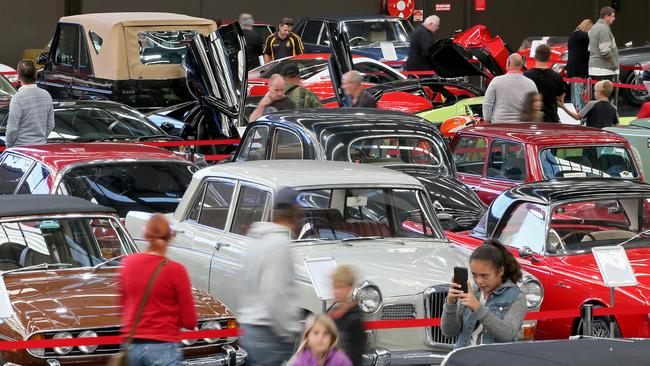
x=393 y=140
x=633 y=56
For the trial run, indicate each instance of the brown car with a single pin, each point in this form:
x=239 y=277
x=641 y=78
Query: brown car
x=59 y=258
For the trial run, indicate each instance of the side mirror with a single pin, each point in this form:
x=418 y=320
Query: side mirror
x=526 y=252
x=167 y=127
x=42 y=58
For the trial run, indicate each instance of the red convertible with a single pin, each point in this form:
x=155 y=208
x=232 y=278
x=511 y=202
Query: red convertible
x=493 y=158
x=552 y=226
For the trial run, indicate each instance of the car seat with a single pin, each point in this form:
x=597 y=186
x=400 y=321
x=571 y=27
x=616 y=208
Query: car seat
x=612 y=164
x=514 y=168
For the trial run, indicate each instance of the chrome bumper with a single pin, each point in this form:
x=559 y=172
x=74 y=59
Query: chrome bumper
x=384 y=357
x=230 y=357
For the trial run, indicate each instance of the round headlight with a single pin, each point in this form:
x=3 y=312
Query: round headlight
x=62 y=350
x=211 y=325
x=88 y=334
x=534 y=293
x=368 y=297
x=187 y=342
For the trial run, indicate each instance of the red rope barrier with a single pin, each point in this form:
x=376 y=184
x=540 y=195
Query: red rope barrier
x=618 y=85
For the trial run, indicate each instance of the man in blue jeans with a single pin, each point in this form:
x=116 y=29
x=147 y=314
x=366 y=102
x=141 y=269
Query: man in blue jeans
x=269 y=318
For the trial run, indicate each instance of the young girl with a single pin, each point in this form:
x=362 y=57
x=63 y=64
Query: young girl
x=347 y=315
x=318 y=346
x=533 y=105
x=494 y=308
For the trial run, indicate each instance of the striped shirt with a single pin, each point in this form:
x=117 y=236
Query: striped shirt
x=31 y=117
x=278 y=48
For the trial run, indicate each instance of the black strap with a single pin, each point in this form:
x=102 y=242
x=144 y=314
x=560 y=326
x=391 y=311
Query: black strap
x=143 y=302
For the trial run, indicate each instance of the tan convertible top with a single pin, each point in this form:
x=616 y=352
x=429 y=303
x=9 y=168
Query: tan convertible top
x=119 y=56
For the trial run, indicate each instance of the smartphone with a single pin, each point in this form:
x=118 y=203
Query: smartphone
x=460 y=277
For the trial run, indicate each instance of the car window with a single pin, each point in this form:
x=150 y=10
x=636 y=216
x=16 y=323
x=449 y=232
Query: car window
x=12 y=169
x=250 y=208
x=102 y=123
x=507 y=160
x=254 y=147
x=587 y=161
x=374 y=73
x=286 y=145
x=164 y=47
x=311 y=30
x=85 y=66
x=96 y=40
x=395 y=150
x=525 y=227
x=216 y=204
x=37 y=181
x=469 y=155
x=66 y=48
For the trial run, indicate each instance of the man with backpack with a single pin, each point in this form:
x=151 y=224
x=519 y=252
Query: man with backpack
x=301 y=97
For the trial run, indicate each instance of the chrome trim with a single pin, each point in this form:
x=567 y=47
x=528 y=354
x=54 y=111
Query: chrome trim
x=385 y=357
x=529 y=278
x=363 y=284
x=428 y=310
x=231 y=357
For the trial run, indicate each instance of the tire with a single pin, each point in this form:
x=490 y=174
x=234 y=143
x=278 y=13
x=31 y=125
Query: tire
x=632 y=96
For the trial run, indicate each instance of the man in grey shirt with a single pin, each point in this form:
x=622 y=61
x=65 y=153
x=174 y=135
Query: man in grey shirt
x=505 y=96
x=31 y=116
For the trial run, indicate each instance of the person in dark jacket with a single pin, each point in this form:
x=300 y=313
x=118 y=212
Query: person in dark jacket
x=254 y=43
x=347 y=315
x=355 y=96
x=578 y=63
x=420 y=42
x=549 y=83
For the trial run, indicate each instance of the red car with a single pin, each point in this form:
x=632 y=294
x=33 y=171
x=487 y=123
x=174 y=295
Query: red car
x=126 y=177
x=495 y=157
x=551 y=227
x=559 y=51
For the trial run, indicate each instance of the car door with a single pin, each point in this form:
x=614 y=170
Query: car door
x=252 y=205
x=254 y=143
x=505 y=168
x=84 y=85
x=57 y=74
x=202 y=228
x=469 y=154
x=340 y=60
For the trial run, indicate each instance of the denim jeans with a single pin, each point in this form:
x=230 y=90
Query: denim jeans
x=264 y=347
x=154 y=354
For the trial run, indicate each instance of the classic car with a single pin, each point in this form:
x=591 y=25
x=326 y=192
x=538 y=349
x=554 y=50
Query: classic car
x=637 y=133
x=131 y=58
x=366 y=35
x=6 y=92
x=494 y=157
x=379 y=221
x=10 y=73
x=552 y=226
x=60 y=258
x=34 y=54
x=394 y=140
x=123 y=176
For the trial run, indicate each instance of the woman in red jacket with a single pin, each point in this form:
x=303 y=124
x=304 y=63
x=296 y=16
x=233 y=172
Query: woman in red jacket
x=168 y=308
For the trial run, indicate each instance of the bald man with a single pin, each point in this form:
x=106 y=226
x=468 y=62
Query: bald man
x=505 y=96
x=274 y=100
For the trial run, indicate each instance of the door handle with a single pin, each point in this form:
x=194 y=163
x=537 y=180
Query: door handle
x=178 y=231
x=222 y=245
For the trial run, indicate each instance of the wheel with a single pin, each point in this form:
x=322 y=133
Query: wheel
x=633 y=96
x=600 y=327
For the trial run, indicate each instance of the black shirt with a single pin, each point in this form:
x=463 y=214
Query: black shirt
x=550 y=84
x=420 y=42
x=578 y=62
x=352 y=339
x=280 y=105
x=253 y=48
x=278 y=48
x=599 y=114
x=365 y=100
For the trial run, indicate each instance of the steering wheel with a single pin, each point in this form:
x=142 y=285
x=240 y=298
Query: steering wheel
x=361 y=39
x=371 y=79
x=557 y=242
x=312 y=220
x=587 y=233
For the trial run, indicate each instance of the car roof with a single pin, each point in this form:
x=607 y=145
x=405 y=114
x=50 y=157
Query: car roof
x=58 y=156
x=108 y=20
x=47 y=204
x=278 y=174
x=342 y=18
x=564 y=189
x=545 y=133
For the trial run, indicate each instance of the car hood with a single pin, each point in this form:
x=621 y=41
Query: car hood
x=398 y=269
x=66 y=299
x=375 y=52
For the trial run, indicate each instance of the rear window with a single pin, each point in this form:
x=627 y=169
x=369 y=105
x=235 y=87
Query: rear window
x=395 y=150
x=140 y=186
x=589 y=161
x=164 y=47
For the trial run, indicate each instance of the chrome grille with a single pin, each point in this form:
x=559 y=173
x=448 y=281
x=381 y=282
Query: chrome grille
x=434 y=305
x=398 y=312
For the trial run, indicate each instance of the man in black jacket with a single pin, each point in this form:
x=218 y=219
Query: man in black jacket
x=549 y=83
x=420 y=42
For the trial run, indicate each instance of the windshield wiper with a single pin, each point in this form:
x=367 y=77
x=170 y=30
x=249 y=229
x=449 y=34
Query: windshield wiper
x=159 y=137
x=108 y=261
x=36 y=266
x=634 y=237
x=309 y=239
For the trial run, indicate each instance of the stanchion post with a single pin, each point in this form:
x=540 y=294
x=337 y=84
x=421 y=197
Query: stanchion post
x=616 y=80
x=587 y=317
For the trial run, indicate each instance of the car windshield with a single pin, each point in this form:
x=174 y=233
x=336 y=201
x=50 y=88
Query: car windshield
x=5 y=87
x=580 y=226
x=78 y=241
x=550 y=41
x=133 y=186
x=587 y=161
x=100 y=123
x=348 y=213
x=307 y=67
x=164 y=47
x=394 y=150
x=365 y=33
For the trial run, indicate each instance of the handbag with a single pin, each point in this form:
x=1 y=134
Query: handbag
x=120 y=358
